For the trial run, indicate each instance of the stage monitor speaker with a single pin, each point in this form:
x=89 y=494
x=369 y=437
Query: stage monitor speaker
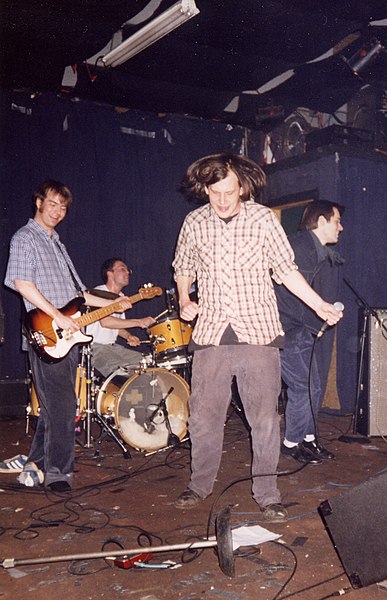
x=372 y=406
x=356 y=523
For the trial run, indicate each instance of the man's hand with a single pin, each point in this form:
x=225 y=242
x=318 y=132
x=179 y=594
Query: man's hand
x=146 y=322
x=66 y=323
x=328 y=313
x=188 y=310
x=133 y=340
x=124 y=303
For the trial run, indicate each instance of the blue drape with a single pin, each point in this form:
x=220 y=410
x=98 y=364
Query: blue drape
x=124 y=168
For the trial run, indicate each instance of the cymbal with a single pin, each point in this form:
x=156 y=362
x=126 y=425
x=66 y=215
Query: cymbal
x=103 y=294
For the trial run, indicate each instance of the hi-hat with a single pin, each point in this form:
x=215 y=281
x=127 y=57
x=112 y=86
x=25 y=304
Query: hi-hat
x=223 y=543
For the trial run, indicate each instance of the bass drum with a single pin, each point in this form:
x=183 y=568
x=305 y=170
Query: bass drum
x=139 y=416
x=107 y=394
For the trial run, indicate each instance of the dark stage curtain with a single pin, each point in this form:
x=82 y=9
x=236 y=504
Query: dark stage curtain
x=124 y=168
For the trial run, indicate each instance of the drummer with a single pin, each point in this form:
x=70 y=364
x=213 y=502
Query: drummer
x=108 y=355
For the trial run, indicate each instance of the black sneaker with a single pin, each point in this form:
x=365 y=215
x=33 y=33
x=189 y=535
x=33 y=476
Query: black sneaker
x=318 y=450
x=300 y=454
x=59 y=487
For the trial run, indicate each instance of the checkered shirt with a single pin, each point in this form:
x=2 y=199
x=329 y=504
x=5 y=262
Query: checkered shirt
x=34 y=256
x=233 y=264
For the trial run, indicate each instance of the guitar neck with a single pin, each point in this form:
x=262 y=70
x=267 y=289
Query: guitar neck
x=105 y=311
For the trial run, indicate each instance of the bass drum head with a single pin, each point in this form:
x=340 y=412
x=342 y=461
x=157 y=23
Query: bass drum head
x=107 y=394
x=138 y=416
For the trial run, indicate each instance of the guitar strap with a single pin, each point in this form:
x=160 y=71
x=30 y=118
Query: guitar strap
x=75 y=281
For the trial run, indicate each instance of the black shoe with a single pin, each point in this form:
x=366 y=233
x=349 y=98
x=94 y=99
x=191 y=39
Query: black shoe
x=301 y=454
x=275 y=513
x=59 y=486
x=318 y=450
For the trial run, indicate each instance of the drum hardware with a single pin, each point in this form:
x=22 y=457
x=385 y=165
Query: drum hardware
x=173 y=439
x=92 y=414
x=185 y=439
x=223 y=544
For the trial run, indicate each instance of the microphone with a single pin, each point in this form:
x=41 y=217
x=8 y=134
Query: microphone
x=339 y=306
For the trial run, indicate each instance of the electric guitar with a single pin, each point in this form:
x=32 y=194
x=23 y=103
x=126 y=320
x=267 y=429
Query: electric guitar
x=52 y=343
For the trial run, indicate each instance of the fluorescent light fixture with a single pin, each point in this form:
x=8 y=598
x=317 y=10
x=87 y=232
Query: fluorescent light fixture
x=176 y=15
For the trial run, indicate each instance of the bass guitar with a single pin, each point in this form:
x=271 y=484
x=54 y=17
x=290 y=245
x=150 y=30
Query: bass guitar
x=52 y=343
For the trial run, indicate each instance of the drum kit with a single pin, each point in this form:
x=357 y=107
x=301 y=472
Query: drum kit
x=144 y=405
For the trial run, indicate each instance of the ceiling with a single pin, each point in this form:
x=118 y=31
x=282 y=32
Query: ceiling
x=245 y=62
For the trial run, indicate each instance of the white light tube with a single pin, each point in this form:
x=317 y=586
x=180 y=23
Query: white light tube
x=176 y=15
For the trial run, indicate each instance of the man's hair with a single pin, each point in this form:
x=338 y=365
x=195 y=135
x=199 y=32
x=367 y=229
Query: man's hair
x=316 y=209
x=108 y=266
x=213 y=168
x=50 y=185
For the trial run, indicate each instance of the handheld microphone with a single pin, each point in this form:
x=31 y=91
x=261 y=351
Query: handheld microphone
x=339 y=306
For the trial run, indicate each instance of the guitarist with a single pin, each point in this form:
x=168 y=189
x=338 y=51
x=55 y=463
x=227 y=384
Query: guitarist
x=108 y=355
x=41 y=270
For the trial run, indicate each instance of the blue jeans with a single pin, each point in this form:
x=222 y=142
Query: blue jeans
x=295 y=365
x=257 y=372
x=53 y=445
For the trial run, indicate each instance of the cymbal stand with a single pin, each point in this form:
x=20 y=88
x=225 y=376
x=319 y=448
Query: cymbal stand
x=92 y=413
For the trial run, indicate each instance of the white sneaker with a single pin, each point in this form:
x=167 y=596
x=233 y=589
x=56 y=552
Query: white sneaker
x=14 y=464
x=31 y=476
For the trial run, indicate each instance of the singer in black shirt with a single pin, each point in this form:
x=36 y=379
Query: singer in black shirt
x=319 y=228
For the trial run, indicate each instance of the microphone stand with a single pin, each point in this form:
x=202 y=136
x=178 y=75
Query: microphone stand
x=173 y=439
x=355 y=438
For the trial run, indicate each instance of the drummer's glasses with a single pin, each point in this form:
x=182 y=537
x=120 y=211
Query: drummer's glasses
x=123 y=269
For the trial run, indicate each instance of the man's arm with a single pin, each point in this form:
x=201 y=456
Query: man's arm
x=30 y=292
x=297 y=284
x=117 y=323
x=123 y=324
x=188 y=308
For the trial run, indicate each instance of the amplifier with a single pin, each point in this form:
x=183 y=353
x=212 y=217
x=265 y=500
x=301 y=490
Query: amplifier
x=14 y=397
x=339 y=135
x=372 y=406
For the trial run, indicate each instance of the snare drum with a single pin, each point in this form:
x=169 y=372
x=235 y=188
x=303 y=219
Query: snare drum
x=170 y=336
x=135 y=406
x=80 y=392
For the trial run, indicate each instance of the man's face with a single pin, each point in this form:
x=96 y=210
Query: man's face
x=225 y=196
x=50 y=211
x=120 y=274
x=331 y=229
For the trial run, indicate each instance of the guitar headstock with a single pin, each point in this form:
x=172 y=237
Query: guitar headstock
x=149 y=291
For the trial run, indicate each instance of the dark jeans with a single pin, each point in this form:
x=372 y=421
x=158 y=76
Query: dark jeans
x=295 y=364
x=257 y=372
x=52 y=448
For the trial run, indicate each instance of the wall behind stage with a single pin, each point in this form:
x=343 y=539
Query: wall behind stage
x=124 y=169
